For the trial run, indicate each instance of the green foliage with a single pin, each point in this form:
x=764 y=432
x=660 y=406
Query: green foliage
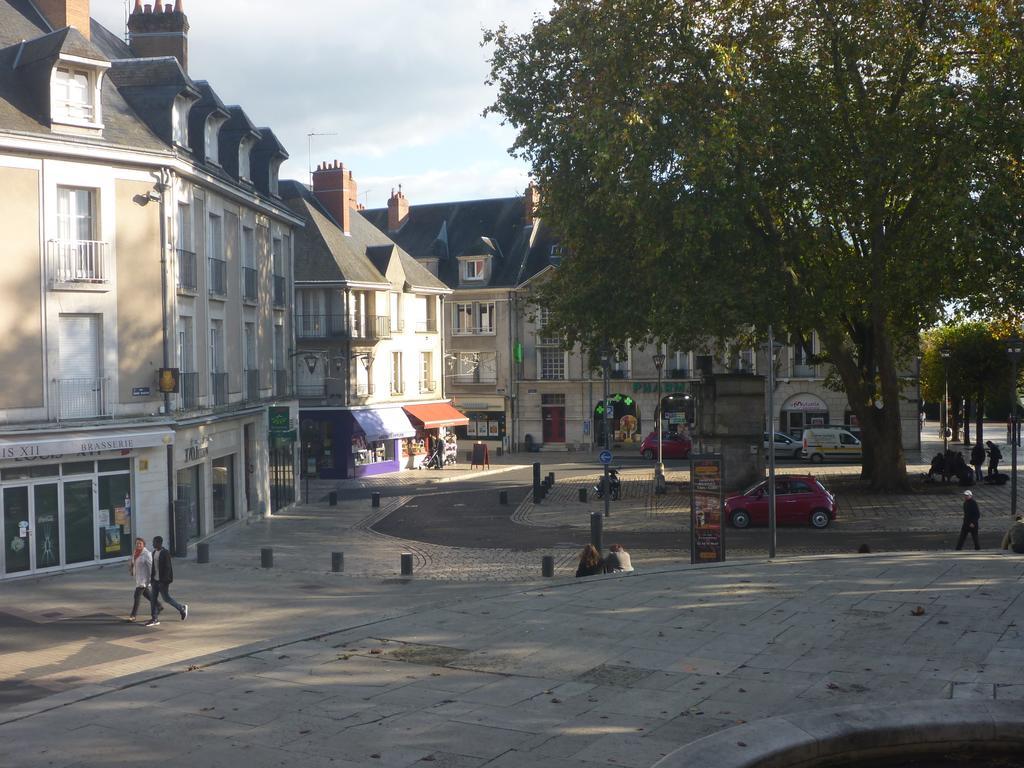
x=978 y=366
x=847 y=166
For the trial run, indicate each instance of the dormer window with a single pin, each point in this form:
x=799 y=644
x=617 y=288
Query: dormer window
x=244 y=156
x=212 y=137
x=473 y=269
x=75 y=94
x=179 y=116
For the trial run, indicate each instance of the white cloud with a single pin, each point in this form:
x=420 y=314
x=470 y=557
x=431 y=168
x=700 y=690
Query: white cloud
x=478 y=181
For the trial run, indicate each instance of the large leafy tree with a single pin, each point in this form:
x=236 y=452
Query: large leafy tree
x=846 y=166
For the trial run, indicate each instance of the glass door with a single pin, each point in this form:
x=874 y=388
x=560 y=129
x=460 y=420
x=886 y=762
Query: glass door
x=16 y=530
x=79 y=532
x=46 y=526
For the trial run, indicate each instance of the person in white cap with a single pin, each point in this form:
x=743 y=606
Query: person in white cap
x=970 y=525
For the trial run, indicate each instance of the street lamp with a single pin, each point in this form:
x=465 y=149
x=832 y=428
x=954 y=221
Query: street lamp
x=659 y=468
x=1015 y=349
x=606 y=361
x=773 y=348
x=944 y=352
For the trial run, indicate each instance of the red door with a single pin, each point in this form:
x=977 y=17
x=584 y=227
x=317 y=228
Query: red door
x=554 y=423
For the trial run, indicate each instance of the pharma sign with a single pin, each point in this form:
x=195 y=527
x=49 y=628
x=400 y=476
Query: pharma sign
x=707 y=529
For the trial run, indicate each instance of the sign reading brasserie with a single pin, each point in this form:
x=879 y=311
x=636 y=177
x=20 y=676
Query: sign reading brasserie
x=707 y=530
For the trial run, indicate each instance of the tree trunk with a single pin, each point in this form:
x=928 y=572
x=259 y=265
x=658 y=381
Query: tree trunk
x=979 y=417
x=967 y=421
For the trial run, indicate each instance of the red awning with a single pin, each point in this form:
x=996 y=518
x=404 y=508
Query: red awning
x=435 y=415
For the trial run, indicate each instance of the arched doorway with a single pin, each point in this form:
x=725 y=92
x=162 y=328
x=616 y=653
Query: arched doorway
x=624 y=420
x=801 y=411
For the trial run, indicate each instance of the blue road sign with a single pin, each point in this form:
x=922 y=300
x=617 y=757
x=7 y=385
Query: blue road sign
x=605 y=457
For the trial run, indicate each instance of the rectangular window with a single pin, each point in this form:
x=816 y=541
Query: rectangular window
x=486 y=315
x=473 y=269
x=545 y=339
x=397 y=326
x=397 y=379
x=248 y=247
x=179 y=117
x=462 y=323
x=216 y=346
x=73 y=95
x=223 y=482
x=244 y=150
x=552 y=364
x=186 y=361
x=426 y=372
x=76 y=214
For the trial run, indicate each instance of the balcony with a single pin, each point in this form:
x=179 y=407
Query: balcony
x=249 y=284
x=218 y=285
x=479 y=330
x=803 y=371
x=678 y=373
x=320 y=326
x=252 y=384
x=81 y=398
x=311 y=391
x=371 y=329
x=427 y=386
x=78 y=264
x=476 y=377
x=219 y=388
x=280 y=291
x=426 y=326
x=189 y=390
x=187 y=275
x=281 y=388
x=622 y=373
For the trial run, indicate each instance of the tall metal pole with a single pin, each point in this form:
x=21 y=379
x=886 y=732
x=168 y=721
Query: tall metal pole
x=605 y=357
x=1015 y=352
x=659 y=469
x=771 y=443
x=945 y=411
x=162 y=187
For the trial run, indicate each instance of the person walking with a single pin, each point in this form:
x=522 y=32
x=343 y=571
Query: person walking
x=160 y=581
x=970 y=524
x=141 y=567
x=978 y=460
x=1014 y=538
x=994 y=457
x=591 y=563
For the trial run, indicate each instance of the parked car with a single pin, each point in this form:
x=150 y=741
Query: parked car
x=799 y=500
x=785 y=446
x=820 y=443
x=674 y=446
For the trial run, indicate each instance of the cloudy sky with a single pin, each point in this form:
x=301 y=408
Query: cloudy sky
x=400 y=83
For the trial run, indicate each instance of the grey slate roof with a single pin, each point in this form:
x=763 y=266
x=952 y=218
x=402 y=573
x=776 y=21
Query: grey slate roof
x=323 y=252
x=494 y=227
x=150 y=86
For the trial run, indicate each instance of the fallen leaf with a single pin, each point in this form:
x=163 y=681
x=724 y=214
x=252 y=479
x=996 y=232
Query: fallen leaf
x=193 y=667
x=919 y=611
x=741 y=743
x=832 y=686
x=375 y=651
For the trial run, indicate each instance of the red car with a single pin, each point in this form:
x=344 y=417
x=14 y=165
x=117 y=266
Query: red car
x=674 y=446
x=799 y=500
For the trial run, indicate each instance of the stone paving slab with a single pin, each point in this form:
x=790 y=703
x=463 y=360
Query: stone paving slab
x=615 y=670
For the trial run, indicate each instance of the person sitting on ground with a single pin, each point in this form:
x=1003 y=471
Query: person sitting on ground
x=936 y=467
x=1014 y=538
x=591 y=563
x=617 y=560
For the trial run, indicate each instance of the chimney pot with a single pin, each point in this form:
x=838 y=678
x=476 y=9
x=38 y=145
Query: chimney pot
x=398 y=210
x=138 y=7
x=337 y=192
x=147 y=8
x=159 y=31
x=168 y=8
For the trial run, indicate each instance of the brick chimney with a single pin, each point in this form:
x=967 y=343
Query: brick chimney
x=159 y=30
x=398 y=210
x=66 y=13
x=335 y=188
x=531 y=201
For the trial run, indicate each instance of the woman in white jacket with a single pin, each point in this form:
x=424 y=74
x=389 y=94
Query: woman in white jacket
x=141 y=567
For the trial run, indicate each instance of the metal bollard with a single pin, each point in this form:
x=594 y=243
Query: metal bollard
x=537 y=497
x=536 y=475
x=596 y=527
x=202 y=552
x=551 y=479
x=375 y=499
x=547 y=566
x=267 y=557
x=503 y=497
x=407 y=563
x=332 y=498
x=583 y=495
x=337 y=562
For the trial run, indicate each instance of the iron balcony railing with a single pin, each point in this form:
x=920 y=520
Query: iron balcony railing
x=371 y=328
x=426 y=386
x=364 y=389
x=219 y=388
x=81 y=398
x=426 y=326
x=311 y=391
x=252 y=384
x=619 y=374
x=249 y=284
x=678 y=373
x=476 y=377
x=78 y=262
x=280 y=291
x=189 y=390
x=218 y=285
x=477 y=330
x=320 y=326
x=281 y=382
x=803 y=371
x=187 y=276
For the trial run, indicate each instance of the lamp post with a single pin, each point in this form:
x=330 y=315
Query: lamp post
x=770 y=426
x=659 y=468
x=944 y=352
x=1015 y=349
x=605 y=365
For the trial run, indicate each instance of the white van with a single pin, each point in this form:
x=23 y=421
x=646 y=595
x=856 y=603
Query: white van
x=822 y=443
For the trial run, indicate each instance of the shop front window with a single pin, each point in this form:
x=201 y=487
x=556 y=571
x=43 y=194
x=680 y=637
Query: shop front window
x=189 y=493
x=78 y=519
x=223 y=490
x=371 y=451
x=114 y=517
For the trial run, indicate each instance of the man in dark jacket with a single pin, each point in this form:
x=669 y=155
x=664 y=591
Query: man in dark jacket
x=970 y=525
x=978 y=459
x=160 y=581
x=994 y=457
x=1014 y=538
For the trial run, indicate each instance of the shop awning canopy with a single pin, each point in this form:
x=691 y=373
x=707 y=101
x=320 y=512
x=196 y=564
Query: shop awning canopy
x=435 y=415
x=384 y=423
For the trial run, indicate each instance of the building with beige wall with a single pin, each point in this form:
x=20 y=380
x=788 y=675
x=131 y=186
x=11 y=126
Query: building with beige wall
x=144 y=233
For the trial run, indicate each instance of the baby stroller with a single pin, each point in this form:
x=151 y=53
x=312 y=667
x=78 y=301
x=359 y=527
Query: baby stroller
x=435 y=460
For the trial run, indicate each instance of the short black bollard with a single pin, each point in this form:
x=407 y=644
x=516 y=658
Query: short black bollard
x=332 y=498
x=536 y=475
x=503 y=497
x=267 y=557
x=537 y=496
x=407 y=563
x=337 y=562
x=596 y=527
x=202 y=552
x=583 y=495
x=551 y=479
x=547 y=566
x=375 y=500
